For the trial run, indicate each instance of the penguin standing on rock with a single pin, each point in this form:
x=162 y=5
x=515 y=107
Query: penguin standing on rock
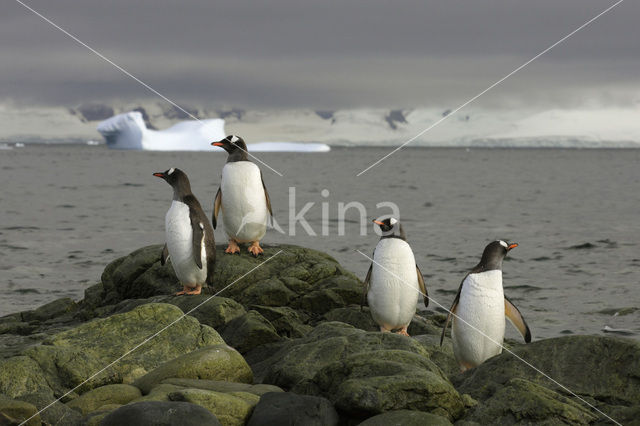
x=190 y=241
x=479 y=310
x=394 y=281
x=243 y=198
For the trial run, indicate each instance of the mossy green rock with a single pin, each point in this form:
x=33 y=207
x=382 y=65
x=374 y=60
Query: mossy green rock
x=406 y=418
x=159 y=393
x=54 y=412
x=50 y=310
x=215 y=312
x=69 y=357
x=287 y=322
x=603 y=370
x=523 y=402
x=373 y=382
x=19 y=411
x=110 y=394
x=216 y=362
x=249 y=331
x=294 y=276
x=221 y=386
x=231 y=409
x=295 y=362
x=21 y=375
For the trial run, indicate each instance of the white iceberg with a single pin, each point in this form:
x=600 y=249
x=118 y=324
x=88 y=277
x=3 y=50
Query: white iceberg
x=128 y=131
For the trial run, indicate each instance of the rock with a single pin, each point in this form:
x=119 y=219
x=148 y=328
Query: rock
x=16 y=327
x=602 y=368
x=406 y=418
x=292 y=409
x=353 y=315
x=19 y=411
x=372 y=382
x=442 y=356
x=54 y=412
x=220 y=386
x=296 y=361
x=216 y=312
x=285 y=280
x=21 y=375
x=231 y=409
x=523 y=402
x=248 y=331
x=286 y=321
x=216 y=362
x=68 y=358
x=599 y=369
x=159 y=393
x=138 y=275
x=160 y=414
x=270 y=292
x=109 y=394
x=51 y=310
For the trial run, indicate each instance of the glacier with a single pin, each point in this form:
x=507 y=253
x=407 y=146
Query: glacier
x=129 y=131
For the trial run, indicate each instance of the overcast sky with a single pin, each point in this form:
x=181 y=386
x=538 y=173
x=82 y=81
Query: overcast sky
x=322 y=54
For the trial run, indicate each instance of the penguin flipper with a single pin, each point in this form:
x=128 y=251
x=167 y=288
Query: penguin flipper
x=266 y=195
x=217 y=202
x=165 y=254
x=197 y=232
x=365 y=289
x=516 y=318
x=452 y=310
x=423 y=287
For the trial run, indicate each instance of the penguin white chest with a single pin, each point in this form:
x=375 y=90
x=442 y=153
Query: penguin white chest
x=393 y=288
x=478 y=327
x=179 y=244
x=244 y=204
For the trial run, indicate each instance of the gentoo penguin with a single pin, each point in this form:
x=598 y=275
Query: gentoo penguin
x=479 y=310
x=190 y=240
x=394 y=281
x=243 y=198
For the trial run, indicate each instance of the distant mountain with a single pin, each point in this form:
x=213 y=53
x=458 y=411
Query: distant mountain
x=586 y=127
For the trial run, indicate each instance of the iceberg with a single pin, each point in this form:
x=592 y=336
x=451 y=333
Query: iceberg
x=128 y=131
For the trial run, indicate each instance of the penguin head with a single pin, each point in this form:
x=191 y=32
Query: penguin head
x=386 y=225
x=494 y=253
x=234 y=145
x=176 y=178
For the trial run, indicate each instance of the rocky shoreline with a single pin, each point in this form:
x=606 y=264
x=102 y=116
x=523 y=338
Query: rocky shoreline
x=287 y=344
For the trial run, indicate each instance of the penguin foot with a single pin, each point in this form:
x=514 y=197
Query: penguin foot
x=403 y=331
x=255 y=248
x=185 y=289
x=197 y=290
x=232 y=248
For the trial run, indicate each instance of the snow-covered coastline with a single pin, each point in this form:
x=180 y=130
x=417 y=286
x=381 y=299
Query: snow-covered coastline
x=473 y=127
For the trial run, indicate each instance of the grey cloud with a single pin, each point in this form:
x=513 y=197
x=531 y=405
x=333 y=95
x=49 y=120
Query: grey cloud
x=326 y=54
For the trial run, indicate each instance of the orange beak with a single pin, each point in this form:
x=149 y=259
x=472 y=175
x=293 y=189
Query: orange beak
x=512 y=246
x=377 y=222
x=217 y=144
x=159 y=175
